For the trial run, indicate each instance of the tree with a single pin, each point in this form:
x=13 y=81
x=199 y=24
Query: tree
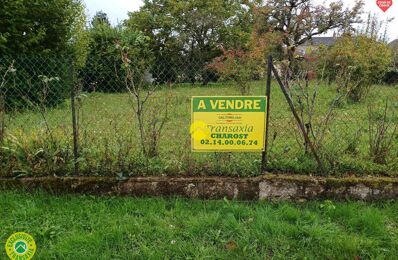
x=102 y=69
x=186 y=34
x=100 y=18
x=156 y=21
x=44 y=37
x=151 y=113
x=42 y=26
x=300 y=20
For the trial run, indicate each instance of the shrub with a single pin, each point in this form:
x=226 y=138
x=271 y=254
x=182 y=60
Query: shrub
x=391 y=76
x=151 y=114
x=360 y=60
x=102 y=71
x=244 y=65
x=236 y=65
x=383 y=127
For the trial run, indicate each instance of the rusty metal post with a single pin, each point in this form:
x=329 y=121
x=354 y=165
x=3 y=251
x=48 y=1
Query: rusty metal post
x=264 y=159
x=74 y=121
x=2 y=117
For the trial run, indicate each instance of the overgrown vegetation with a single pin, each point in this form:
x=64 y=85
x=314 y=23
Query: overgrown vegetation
x=110 y=143
x=316 y=119
x=382 y=132
x=122 y=76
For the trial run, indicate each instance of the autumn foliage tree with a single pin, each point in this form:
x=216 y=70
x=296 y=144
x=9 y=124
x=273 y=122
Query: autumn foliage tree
x=242 y=65
x=236 y=65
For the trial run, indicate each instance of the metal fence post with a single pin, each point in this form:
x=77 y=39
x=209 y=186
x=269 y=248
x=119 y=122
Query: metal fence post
x=74 y=121
x=3 y=102
x=2 y=117
x=2 y=121
x=264 y=159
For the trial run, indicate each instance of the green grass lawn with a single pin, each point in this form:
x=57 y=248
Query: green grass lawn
x=109 y=142
x=88 y=227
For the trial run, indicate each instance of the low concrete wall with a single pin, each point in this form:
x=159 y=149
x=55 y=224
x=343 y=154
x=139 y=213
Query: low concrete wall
x=267 y=187
x=304 y=187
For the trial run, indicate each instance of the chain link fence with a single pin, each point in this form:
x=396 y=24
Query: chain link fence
x=107 y=119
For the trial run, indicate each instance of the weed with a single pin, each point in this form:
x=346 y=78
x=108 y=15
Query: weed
x=382 y=132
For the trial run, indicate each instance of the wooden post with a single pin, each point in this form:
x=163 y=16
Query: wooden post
x=264 y=159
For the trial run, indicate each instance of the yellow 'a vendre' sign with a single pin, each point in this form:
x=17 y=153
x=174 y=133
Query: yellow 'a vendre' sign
x=228 y=123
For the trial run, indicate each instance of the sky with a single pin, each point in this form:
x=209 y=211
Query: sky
x=117 y=10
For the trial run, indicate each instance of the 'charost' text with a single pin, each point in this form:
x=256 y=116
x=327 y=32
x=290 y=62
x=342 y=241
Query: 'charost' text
x=230 y=132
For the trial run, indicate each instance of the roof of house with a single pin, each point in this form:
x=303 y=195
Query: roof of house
x=316 y=41
x=393 y=43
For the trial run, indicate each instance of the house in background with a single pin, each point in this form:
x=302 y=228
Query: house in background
x=394 y=44
x=314 y=44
